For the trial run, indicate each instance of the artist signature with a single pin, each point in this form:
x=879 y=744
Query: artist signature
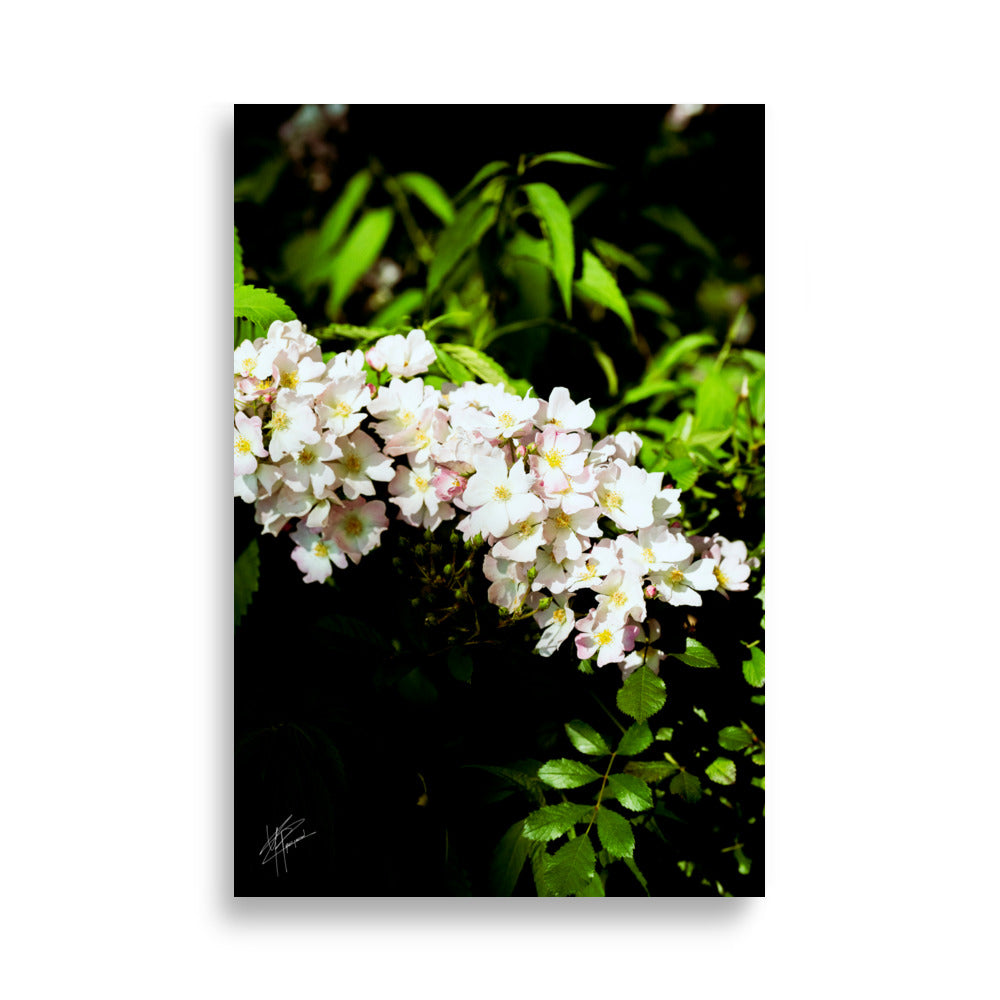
x=277 y=844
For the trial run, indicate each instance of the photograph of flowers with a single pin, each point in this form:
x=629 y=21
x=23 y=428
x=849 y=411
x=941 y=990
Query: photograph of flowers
x=499 y=500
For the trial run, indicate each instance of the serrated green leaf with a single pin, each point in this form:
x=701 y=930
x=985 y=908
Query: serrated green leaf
x=237 y=259
x=615 y=833
x=696 y=655
x=460 y=664
x=336 y=221
x=632 y=792
x=564 y=157
x=664 y=733
x=634 y=869
x=753 y=669
x=687 y=786
x=478 y=363
x=675 y=221
x=734 y=738
x=345 y=331
x=566 y=773
x=611 y=254
x=357 y=254
x=508 y=860
x=490 y=170
x=466 y=230
x=550 y=822
x=557 y=225
x=260 y=307
x=722 y=771
x=650 y=771
x=569 y=871
x=635 y=739
x=246 y=574
x=587 y=739
x=758 y=758
x=595 y=887
x=405 y=304
x=643 y=694
x=598 y=284
x=585 y=667
x=430 y=193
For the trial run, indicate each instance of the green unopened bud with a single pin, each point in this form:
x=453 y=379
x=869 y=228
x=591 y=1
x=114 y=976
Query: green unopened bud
x=532 y=572
x=454 y=537
x=457 y=592
x=428 y=535
x=466 y=565
x=414 y=602
x=532 y=449
x=503 y=612
x=420 y=549
x=396 y=562
x=446 y=569
x=544 y=603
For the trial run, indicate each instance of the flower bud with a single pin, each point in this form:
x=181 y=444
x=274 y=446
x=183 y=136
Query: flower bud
x=650 y=592
x=503 y=612
x=446 y=569
x=532 y=573
x=544 y=603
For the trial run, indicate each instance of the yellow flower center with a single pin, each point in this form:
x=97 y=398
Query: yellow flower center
x=612 y=500
x=289 y=380
x=649 y=556
x=406 y=418
x=525 y=528
x=353 y=525
x=501 y=493
x=562 y=520
x=554 y=458
x=306 y=457
x=506 y=420
x=353 y=463
x=342 y=409
x=279 y=420
x=721 y=577
x=248 y=365
x=242 y=446
x=420 y=482
x=319 y=549
x=618 y=599
x=603 y=637
x=559 y=615
x=675 y=576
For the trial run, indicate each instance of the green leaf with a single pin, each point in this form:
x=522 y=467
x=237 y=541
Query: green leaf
x=647 y=389
x=335 y=221
x=405 y=304
x=566 y=773
x=742 y=860
x=508 y=860
x=635 y=739
x=643 y=694
x=237 y=259
x=664 y=733
x=415 y=687
x=345 y=331
x=257 y=186
x=478 y=363
x=611 y=254
x=246 y=574
x=454 y=370
x=551 y=210
x=670 y=354
x=550 y=822
x=722 y=771
x=615 y=833
x=683 y=472
x=756 y=397
x=634 y=869
x=430 y=193
x=598 y=284
x=582 y=201
x=758 y=758
x=595 y=887
x=715 y=402
x=650 y=771
x=645 y=299
x=608 y=367
x=753 y=669
x=587 y=739
x=630 y=791
x=675 y=221
x=563 y=157
x=734 y=738
x=260 y=307
x=696 y=655
x=490 y=170
x=460 y=664
x=687 y=786
x=463 y=235
x=569 y=871
x=357 y=254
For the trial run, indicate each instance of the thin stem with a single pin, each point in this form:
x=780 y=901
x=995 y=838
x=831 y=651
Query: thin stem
x=600 y=794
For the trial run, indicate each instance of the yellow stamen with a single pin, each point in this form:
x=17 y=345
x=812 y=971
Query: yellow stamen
x=675 y=576
x=501 y=493
x=604 y=637
x=559 y=615
x=289 y=380
x=243 y=446
x=319 y=549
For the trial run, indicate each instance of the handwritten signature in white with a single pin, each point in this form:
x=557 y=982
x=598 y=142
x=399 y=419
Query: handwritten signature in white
x=277 y=844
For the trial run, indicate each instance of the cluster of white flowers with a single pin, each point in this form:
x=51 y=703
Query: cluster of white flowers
x=522 y=473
